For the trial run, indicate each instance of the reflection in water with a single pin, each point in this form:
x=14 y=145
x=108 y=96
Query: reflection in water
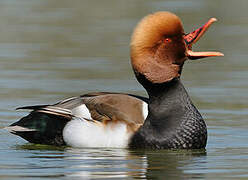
x=106 y=163
x=123 y=163
x=168 y=164
x=100 y=163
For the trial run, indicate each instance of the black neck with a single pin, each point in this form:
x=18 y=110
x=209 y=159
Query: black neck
x=168 y=103
x=172 y=121
x=165 y=98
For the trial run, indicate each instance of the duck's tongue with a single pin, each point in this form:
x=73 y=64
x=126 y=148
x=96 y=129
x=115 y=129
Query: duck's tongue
x=194 y=36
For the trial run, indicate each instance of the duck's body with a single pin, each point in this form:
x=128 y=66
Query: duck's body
x=166 y=119
x=92 y=120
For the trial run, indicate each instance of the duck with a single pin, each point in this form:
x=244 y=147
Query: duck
x=166 y=119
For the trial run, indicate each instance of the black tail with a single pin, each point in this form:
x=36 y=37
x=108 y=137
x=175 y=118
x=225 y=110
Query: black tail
x=40 y=128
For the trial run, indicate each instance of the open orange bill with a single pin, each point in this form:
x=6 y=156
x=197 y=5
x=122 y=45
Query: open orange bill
x=194 y=36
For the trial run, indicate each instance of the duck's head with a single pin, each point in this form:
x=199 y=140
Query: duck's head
x=159 y=47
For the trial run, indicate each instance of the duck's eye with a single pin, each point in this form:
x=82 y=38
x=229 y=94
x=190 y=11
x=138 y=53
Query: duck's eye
x=167 y=40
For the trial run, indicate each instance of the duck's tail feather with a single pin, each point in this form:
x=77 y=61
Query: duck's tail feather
x=16 y=128
x=36 y=107
x=40 y=128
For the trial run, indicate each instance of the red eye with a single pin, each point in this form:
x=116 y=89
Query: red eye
x=167 y=40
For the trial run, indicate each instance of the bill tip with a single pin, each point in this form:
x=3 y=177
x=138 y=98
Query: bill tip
x=213 y=19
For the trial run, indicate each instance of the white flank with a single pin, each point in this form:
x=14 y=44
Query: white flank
x=145 y=110
x=82 y=112
x=82 y=133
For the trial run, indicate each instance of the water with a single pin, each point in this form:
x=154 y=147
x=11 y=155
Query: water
x=53 y=49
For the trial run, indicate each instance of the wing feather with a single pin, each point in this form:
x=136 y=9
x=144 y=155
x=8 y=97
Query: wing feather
x=103 y=107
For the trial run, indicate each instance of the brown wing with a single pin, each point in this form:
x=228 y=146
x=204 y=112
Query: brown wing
x=103 y=107
x=116 y=108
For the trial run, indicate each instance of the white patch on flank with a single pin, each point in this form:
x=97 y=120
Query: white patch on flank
x=82 y=111
x=145 y=109
x=81 y=133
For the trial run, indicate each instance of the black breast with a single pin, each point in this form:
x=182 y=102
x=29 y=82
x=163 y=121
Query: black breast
x=173 y=122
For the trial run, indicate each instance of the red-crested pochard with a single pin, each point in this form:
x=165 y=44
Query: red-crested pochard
x=166 y=119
